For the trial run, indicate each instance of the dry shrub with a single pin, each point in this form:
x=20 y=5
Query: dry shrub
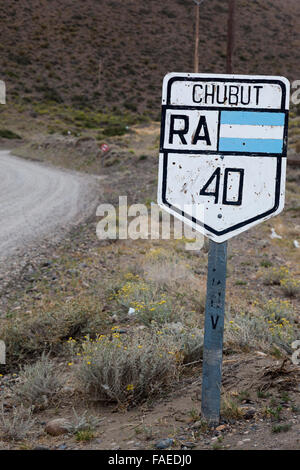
x=39 y=384
x=149 y=302
x=290 y=287
x=127 y=369
x=261 y=330
x=16 y=425
x=275 y=275
x=189 y=341
x=82 y=422
x=27 y=336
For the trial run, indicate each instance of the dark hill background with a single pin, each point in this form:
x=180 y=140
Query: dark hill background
x=114 y=53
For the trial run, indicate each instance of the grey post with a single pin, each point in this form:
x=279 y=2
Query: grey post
x=213 y=332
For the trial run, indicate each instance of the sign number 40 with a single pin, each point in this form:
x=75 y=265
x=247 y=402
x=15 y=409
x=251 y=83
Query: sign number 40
x=216 y=177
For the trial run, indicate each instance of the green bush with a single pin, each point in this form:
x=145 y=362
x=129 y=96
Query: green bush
x=7 y=134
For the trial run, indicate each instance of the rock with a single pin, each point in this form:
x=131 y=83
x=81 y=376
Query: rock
x=197 y=424
x=221 y=427
x=249 y=413
x=164 y=443
x=58 y=426
x=62 y=446
x=189 y=445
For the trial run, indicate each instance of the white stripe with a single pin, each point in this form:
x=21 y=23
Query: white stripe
x=241 y=131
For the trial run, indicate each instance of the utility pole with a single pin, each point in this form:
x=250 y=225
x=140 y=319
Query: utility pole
x=230 y=36
x=197 y=30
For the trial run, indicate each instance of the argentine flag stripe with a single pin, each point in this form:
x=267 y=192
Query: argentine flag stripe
x=252 y=118
x=251 y=131
x=257 y=132
x=250 y=145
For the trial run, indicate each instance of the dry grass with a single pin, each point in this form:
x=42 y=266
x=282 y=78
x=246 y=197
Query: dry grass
x=27 y=336
x=39 y=383
x=16 y=425
x=127 y=369
x=230 y=408
x=268 y=325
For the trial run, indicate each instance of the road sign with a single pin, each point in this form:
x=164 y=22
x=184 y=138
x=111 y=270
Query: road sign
x=223 y=150
x=104 y=148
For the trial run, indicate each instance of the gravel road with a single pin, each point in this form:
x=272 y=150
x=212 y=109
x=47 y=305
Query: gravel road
x=39 y=202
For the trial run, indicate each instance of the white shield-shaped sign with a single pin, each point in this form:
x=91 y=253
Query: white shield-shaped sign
x=223 y=150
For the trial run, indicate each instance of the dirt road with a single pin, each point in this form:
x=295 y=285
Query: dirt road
x=39 y=202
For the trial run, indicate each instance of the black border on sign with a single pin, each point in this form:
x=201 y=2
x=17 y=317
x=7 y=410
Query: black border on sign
x=277 y=156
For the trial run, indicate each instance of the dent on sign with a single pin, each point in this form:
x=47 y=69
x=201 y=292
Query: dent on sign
x=223 y=150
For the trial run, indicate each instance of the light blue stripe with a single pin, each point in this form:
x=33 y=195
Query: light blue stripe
x=252 y=118
x=250 y=145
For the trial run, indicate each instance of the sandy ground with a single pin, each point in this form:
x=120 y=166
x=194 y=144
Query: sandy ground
x=39 y=202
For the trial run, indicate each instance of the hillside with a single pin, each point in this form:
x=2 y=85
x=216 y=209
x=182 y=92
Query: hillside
x=114 y=54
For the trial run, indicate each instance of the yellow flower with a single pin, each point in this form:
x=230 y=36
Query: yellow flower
x=129 y=387
x=70 y=363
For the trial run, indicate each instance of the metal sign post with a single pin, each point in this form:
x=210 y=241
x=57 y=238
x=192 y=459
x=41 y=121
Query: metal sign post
x=213 y=332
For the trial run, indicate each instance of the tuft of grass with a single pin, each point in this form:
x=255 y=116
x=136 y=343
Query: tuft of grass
x=274 y=412
x=244 y=395
x=83 y=423
x=84 y=436
x=277 y=428
x=230 y=409
x=262 y=394
x=39 y=383
x=266 y=263
x=194 y=414
x=16 y=425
